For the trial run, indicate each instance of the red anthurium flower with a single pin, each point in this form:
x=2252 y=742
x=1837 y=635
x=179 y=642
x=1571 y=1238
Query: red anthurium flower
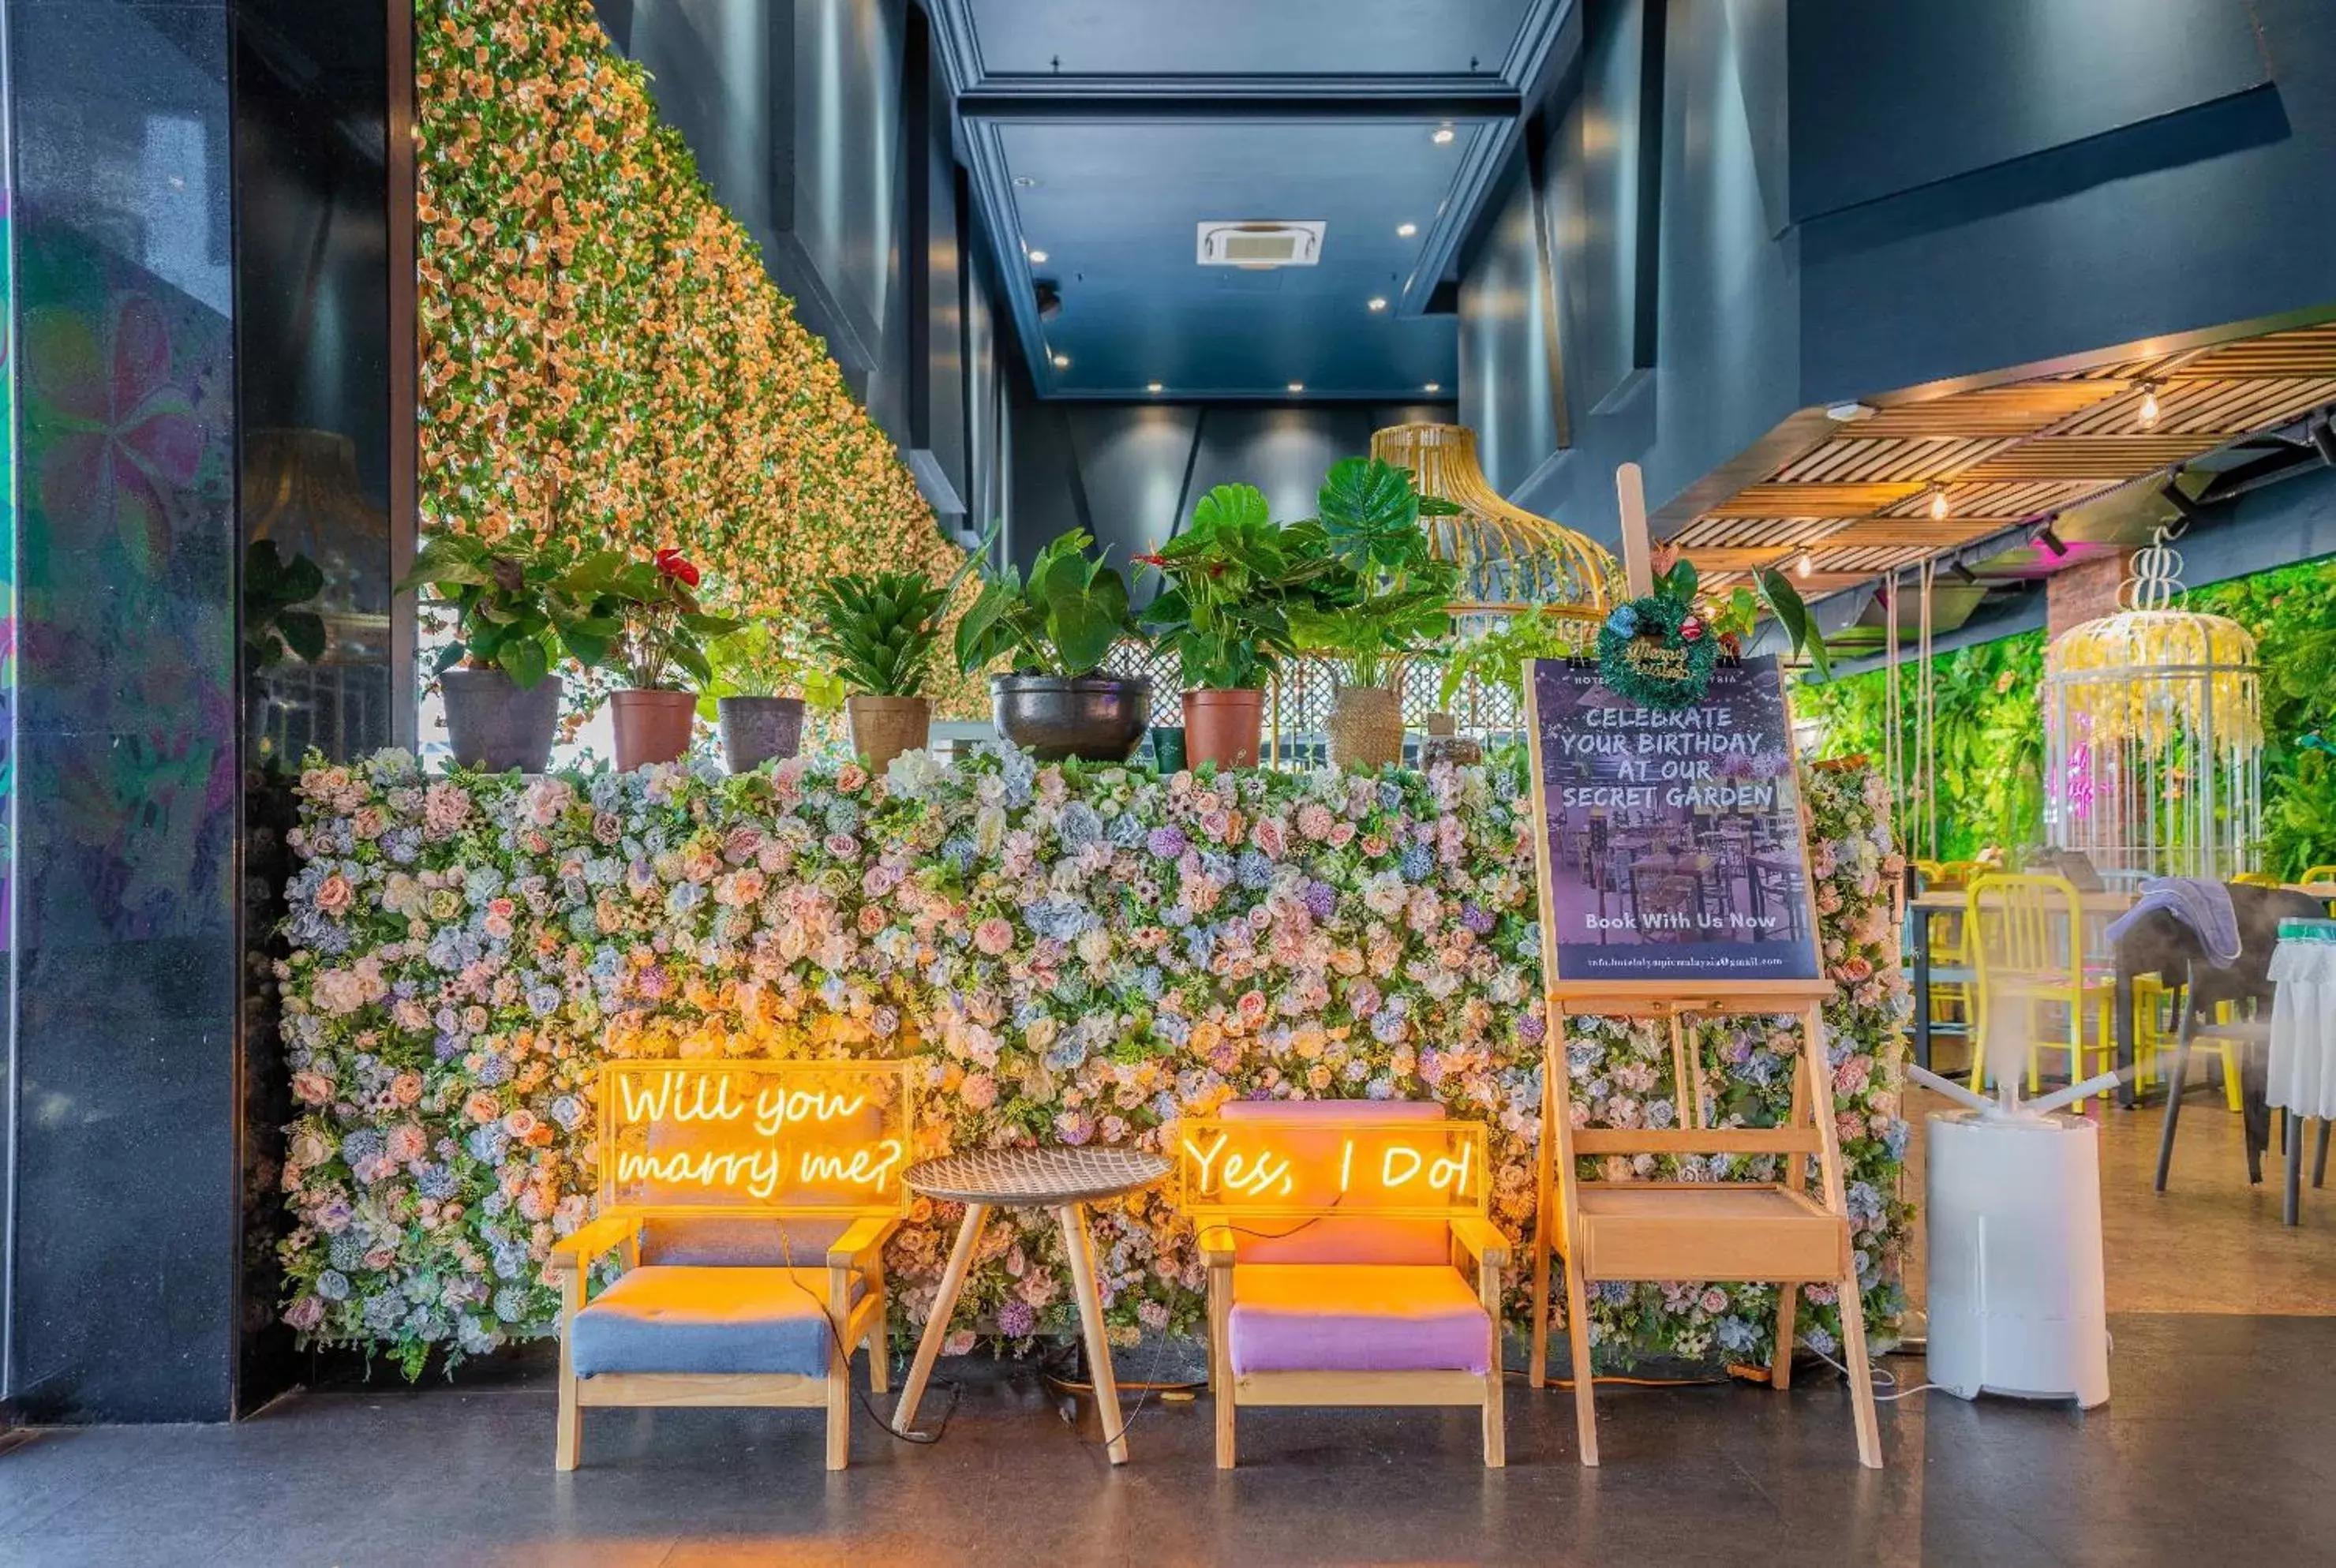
x=674 y=564
x=1152 y=560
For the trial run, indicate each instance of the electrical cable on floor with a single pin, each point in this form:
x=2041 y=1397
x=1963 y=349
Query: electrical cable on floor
x=835 y=1337
x=1881 y=1374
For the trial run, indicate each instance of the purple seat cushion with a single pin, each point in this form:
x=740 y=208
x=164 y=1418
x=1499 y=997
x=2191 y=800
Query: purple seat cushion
x=1336 y=1238
x=1356 y=1317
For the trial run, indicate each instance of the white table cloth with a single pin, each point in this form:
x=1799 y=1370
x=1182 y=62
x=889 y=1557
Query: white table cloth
x=2303 y=1026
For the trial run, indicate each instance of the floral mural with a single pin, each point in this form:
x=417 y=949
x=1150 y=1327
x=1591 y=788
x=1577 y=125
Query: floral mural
x=603 y=356
x=1072 y=953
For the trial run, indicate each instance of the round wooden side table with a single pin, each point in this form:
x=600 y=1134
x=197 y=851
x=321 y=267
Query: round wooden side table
x=1059 y=1178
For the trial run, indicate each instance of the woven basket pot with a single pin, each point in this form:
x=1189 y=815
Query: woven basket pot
x=882 y=727
x=652 y=726
x=1366 y=727
x=1223 y=727
x=757 y=729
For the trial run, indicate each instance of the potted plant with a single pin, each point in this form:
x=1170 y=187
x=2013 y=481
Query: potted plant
x=752 y=667
x=1233 y=577
x=1056 y=629
x=516 y=609
x=1391 y=597
x=879 y=629
x=664 y=626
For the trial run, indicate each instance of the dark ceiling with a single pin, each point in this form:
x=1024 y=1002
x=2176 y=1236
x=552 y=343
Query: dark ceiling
x=1101 y=133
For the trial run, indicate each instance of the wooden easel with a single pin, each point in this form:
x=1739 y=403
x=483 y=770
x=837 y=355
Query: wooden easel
x=1733 y=1231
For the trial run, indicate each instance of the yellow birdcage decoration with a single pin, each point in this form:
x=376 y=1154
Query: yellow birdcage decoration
x=2154 y=734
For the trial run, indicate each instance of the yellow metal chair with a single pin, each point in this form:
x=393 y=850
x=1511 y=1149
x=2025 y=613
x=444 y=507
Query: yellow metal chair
x=2255 y=880
x=2025 y=934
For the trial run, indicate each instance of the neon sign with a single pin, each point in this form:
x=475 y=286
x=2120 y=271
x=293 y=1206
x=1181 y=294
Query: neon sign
x=687 y=1136
x=1384 y=1167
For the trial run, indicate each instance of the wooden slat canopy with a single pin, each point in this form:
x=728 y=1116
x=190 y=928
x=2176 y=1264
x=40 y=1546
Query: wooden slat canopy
x=1862 y=500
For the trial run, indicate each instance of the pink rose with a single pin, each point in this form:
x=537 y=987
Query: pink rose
x=311 y=1088
x=306 y=1313
x=979 y=1091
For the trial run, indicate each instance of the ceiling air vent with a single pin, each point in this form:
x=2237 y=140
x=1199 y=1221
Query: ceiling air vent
x=1261 y=245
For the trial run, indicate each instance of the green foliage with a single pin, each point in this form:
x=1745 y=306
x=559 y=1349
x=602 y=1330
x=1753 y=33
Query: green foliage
x=759 y=660
x=1062 y=622
x=274 y=627
x=2292 y=611
x=1991 y=727
x=1233 y=577
x=516 y=606
x=1498 y=657
x=665 y=625
x=1989 y=740
x=1392 y=596
x=880 y=629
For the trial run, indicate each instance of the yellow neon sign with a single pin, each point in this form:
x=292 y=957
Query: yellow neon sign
x=697 y=1137
x=1387 y=1167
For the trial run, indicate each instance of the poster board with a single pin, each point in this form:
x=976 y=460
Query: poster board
x=1670 y=845
x=707 y=1137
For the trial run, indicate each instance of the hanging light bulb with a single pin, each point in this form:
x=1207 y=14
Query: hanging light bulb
x=2150 y=405
x=1805 y=565
x=1938 y=503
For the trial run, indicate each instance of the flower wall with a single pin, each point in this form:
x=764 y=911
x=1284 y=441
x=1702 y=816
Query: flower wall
x=603 y=357
x=1073 y=953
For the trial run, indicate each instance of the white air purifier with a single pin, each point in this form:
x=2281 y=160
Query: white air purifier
x=2017 y=1302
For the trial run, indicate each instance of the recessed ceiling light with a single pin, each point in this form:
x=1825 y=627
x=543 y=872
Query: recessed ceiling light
x=1062 y=362
x=1433 y=386
x=1378 y=302
x=1151 y=386
x=1297 y=387
x=1026 y=180
x=1443 y=135
x=1406 y=231
x=1039 y=259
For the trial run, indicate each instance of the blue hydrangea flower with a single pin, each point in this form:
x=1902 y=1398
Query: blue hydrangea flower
x=1322 y=900
x=567 y=1111
x=332 y=1285
x=486 y=1145
x=1253 y=870
x=1060 y=918
x=1733 y=1334
x=383 y=1313
x=1125 y=830
x=511 y=1303
x=1199 y=942
x=1390 y=795
x=1071 y=986
x=436 y=1181
x=1079 y=826
x=361 y=1145
x=1477 y=919
x=842 y=817
x=480 y=883
x=1615 y=1292
x=348 y=1251
x=1167 y=842
x=401 y=844
x=1864 y=1203
x=494 y=1069
x=1216 y=867
x=1820 y=1341
x=1069 y=1051
x=1623 y=621
x=1418 y=864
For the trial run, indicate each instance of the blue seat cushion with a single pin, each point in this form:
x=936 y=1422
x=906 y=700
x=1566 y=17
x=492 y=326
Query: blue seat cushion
x=664 y=1318
x=759 y=1241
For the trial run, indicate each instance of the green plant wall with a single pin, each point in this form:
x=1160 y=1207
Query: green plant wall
x=1991 y=727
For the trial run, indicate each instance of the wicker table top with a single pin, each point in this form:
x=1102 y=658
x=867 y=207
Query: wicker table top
x=1054 y=1174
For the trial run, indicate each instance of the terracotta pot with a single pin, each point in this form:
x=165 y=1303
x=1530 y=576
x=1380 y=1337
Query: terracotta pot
x=882 y=727
x=1366 y=727
x=757 y=729
x=495 y=726
x=1223 y=727
x=652 y=726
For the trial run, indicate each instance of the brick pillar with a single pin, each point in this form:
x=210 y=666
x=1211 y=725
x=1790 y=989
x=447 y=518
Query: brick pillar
x=2084 y=589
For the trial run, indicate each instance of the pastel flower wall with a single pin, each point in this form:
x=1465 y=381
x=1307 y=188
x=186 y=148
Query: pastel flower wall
x=1080 y=953
x=603 y=356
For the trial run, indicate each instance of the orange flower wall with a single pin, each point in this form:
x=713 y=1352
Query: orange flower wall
x=602 y=354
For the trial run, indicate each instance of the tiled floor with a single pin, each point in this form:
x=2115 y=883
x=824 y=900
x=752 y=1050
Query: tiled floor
x=2219 y=1445
x=2216 y=1448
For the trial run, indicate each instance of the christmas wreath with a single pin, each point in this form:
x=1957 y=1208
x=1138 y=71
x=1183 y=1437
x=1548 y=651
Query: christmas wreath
x=1657 y=651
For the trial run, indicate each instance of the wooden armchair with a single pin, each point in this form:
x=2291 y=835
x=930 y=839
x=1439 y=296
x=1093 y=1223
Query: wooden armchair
x=1349 y=1258
x=748 y=1204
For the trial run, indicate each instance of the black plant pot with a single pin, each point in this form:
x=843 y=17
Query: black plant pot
x=757 y=729
x=496 y=726
x=1096 y=717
